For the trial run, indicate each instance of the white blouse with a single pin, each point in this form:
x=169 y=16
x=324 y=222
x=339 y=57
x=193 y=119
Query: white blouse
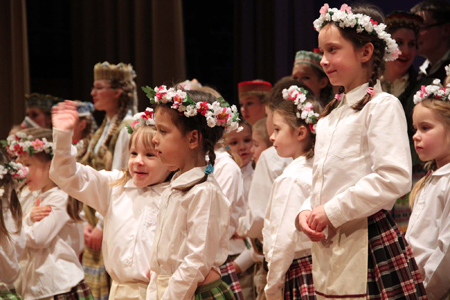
x=270 y=165
x=282 y=242
x=247 y=176
x=428 y=233
x=53 y=247
x=191 y=236
x=11 y=250
x=229 y=177
x=362 y=161
x=130 y=212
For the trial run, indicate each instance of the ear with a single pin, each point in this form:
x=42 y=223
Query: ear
x=117 y=93
x=172 y=168
x=302 y=133
x=366 y=52
x=323 y=82
x=193 y=139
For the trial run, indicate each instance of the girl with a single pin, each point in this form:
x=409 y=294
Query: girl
x=12 y=239
x=428 y=229
x=54 y=244
x=288 y=252
x=191 y=240
x=260 y=139
x=251 y=95
x=308 y=70
x=128 y=200
x=362 y=165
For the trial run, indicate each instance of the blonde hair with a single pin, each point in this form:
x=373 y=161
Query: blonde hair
x=441 y=109
x=261 y=128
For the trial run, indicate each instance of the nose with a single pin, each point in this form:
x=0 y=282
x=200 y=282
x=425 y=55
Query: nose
x=272 y=137
x=324 y=61
x=155 y=139
x=93 y=92
x=416 y=136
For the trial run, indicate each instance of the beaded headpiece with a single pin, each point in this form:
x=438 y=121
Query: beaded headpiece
x=305 y=110
x=109 y=71
x=16 y=170
x=402 y=19
x=140 y=119
x=345 y=18
x=20 y=143
x=219 y=113
x=254 y=87
x=43 y=101
x=308 y=57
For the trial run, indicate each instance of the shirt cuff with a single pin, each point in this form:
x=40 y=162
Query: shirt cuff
x=244 y=260
x=334 y=214
x=62 y=138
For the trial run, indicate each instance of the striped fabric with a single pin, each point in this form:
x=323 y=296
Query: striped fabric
x=79 y=292
x=218 y=290
x=299 y=280
x=95 y=274
x=7 y=294
x=230 y=277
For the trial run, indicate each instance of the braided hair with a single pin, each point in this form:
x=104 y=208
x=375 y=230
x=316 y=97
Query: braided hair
x=359 y=40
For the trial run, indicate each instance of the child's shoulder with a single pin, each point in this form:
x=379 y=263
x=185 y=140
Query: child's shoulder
x=383 y=98
x=54 y=196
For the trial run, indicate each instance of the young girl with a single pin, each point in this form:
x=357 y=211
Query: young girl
x=129 y=201
x=288 y=252
x=191 y=240
x=362 y=165
x=260 y=139
x=428 y=229
x=12 y=239
x=308 y=70
x=54 y=244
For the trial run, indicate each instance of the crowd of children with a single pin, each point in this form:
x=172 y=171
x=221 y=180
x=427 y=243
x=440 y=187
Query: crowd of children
x=189 y=200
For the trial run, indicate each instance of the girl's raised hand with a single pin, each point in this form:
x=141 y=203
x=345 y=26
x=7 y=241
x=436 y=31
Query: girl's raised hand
x=65 y=115
x=306 y=229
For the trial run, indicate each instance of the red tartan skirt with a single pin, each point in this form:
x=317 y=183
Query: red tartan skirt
x=229 y=276
x=299 y=280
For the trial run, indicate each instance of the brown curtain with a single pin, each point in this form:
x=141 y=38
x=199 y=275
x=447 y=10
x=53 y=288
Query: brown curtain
x=14 y=70
x=147 y=34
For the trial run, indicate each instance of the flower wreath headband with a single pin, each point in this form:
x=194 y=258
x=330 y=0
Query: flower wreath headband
x=345 y=18
x=16 y=170
x=20 y=143
x=140 y=119
x=219 y=113
x=305 y=109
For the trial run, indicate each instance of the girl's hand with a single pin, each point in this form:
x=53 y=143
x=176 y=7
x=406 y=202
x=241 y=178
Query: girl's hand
x=303 y=223
x=96 y=239
x=65 y=115
x=39 y=212
x=87 y=232
x=318 y=219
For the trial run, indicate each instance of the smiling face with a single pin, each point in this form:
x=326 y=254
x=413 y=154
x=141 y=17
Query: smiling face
x=251 y=108
x=406 y=40
x=432 y=138
x=241 y=144
x=38 y=172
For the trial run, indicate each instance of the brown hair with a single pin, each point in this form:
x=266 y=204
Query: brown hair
x=441 y=109
x=439 y=9
x=275 y=96
x=10 y=196
x=288 y=110
x=359 y=40
x=261 y=128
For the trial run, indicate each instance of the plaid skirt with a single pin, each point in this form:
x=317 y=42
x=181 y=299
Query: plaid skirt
x=299 y=280
x=95 y=274
x=7 y=294
x=79 y=292
x=230 y=277
x=392 y=269
x=218 y=290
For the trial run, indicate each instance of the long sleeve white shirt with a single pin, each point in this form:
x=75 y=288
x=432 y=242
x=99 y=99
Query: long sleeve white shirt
x=191 y=236
x=282 y=242
x=130 y=213
x=247 y=175
x=428 y=233
x=270 y=165
x=53 y=247
x=229 y=177
x=11 y=250
x=362 y=161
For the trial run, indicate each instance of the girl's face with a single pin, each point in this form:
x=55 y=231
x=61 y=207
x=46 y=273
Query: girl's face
x=241 y=143
x=259 y=145
x=406 y=40
x=306 y=74
x=432 y=138
x=251 y=108
x=104 y=96
x=38 y=173
x=284 y=137
x=144 y=166
x=341 y=61
x=171 y=144
x=39 y=117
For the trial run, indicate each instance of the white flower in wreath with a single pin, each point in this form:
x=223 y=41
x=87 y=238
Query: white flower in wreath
x=211 y=121
x=191 y=111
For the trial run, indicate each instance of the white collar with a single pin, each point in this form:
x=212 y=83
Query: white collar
x=355 y=95
x=444 y=170
x=187 y=179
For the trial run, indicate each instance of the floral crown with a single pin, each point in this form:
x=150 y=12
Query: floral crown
x=20 y=143
x=433 y=91
x=345 y=18
x=219 y=113
x=16 y=170
x=140 y=119
x=305 y=109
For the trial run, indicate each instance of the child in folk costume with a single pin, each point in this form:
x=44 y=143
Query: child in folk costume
x=12 y=239
x=362 y=164
x=192 y=235
x=287 y=251
x=54 y=244
x=429 y=226
x=129 y=201
x=251 y=96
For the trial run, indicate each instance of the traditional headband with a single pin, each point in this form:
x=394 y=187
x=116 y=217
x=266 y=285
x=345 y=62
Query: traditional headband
x=345 y=18
x=433 y=91
x=140 y=119
x=85 y=109
x=219 y=113
x=254 y=87
x=43 y=101
x=308 y=57
x=20 y=143
x=403 y=19
x=305 y=109
x=16 y=170
x=109 y=71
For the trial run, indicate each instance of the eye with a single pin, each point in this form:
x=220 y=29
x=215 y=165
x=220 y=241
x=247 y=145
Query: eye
x=162 y=131
x=247 y=140
x=412 y=44
x=133 y=153
x=149 y=154
x=332 y=49
x=233 y=143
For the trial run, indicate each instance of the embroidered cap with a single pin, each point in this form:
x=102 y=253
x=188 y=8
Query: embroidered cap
x=254 y=87
x=308 y=57
x=42 y=101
